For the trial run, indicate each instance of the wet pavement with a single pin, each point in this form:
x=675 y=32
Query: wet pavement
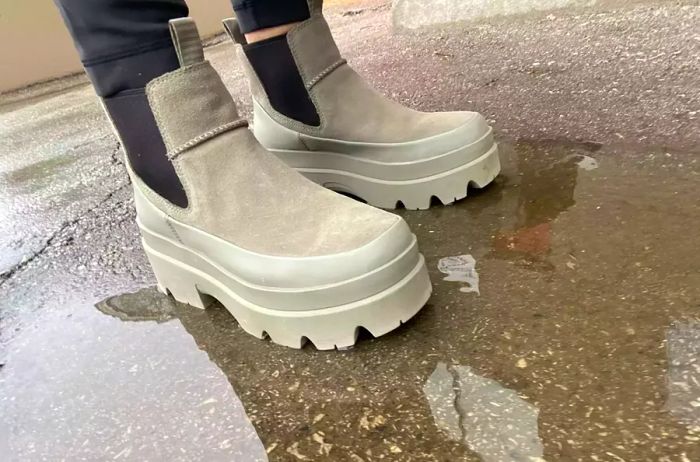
x=564 y=325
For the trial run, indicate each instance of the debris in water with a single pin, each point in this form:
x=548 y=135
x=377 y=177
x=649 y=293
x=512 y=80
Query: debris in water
x=588 y=163
x=461 y=268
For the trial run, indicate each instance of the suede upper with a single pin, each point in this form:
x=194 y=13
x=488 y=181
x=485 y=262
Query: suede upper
x=350 y=110
x=240 y=192
x=190 y=103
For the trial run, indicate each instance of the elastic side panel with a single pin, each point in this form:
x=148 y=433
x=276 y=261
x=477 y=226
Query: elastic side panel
x=274 y=64
x=133 y=120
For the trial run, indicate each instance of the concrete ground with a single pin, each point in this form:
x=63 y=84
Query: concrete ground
x=582 y=342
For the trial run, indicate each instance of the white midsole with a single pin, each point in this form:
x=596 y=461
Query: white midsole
x=347 y=172
x=210 y=280
x=416 y=170
x=415 y=194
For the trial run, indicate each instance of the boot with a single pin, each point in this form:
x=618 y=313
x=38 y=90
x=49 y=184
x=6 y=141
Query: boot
x=319 y=116
x=288 y=258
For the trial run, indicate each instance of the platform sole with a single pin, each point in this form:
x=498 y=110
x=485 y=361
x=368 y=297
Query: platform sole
x=327 y=328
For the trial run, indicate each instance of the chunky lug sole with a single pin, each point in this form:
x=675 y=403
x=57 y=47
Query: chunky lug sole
x=192 y=279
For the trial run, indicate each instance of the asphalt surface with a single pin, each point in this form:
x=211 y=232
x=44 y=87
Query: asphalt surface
x=581 y=344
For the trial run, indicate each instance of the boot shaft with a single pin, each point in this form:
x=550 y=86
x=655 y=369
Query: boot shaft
x=191 y=104
x=313 y=55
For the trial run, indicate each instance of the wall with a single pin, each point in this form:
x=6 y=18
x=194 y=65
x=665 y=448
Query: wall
x=37 y=47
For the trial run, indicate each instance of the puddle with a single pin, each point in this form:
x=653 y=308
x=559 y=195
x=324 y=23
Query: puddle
x=103 y=389
x=572 y=360
x=144 y=305
x=461 y=268
x=492 y=420
x=543 y=190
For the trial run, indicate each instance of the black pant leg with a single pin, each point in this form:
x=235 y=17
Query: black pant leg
x=260 y=14
x=123 y=44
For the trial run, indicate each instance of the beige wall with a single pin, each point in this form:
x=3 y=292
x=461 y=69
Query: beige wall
x=36 y=46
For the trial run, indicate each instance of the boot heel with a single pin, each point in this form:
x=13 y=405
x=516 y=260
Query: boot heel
x=177 y=282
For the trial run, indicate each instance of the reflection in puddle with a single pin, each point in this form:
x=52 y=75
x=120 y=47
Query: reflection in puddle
x=492 y=420
x=441 y=394
x=461 y=268
x=144 y=305
x=91 y=387
x=683 y=347
x=546 y=186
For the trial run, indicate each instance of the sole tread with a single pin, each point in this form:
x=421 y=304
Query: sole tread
x=419 y=194
x=327 y=329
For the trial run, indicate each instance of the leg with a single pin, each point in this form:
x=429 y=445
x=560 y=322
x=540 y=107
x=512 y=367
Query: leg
x=124 y=44
x=264 y=19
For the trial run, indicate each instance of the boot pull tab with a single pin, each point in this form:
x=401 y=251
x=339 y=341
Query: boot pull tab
x=188 y=45
x=234 y=31
x=315 y=7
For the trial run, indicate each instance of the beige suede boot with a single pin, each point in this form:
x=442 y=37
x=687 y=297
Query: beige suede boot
x=288 y=258
x=364 y=143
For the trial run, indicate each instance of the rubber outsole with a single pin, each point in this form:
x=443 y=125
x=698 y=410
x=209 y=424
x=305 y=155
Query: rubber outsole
x=329 y=328
x=414 y=194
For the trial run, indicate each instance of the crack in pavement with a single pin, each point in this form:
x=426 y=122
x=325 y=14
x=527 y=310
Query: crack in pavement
x=25 y=262
x=457 y=389
x=114 y=155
